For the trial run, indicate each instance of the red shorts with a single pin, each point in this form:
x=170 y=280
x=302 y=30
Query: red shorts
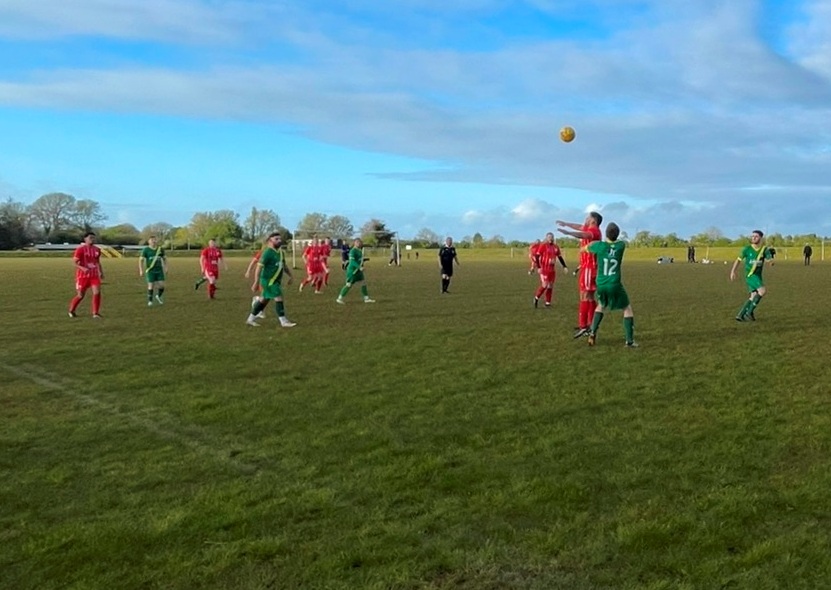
x=314 y=269
x=83 y=282
x=547 y=277
x=587 y=280
x=211 y=273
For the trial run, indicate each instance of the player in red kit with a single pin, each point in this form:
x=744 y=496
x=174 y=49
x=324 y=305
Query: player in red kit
x=548 y=253
x=314 y=267
x=325 y=252
x=88 y=275
x=588 y=232
x=534 y=255
x=209 y=260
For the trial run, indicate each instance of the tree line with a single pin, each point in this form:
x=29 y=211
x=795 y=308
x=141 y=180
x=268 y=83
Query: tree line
x=61 y=218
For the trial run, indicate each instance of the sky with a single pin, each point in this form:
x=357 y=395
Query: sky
x=444 y=115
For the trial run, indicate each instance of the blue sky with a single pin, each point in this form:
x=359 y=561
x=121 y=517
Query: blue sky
x=690 y=114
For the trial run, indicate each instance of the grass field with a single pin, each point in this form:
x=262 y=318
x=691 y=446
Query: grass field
x=424 y=442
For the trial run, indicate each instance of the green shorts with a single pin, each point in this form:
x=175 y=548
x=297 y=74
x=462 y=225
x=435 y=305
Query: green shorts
x=154 y=276
x=754 y=282
x=354 y=276
x=272 y=291
x=614 y=297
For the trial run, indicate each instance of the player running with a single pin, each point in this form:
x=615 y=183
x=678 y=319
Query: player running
x=753 y=255
x=588 y=232
x=355 y=273
x=270 y=270
x=314 y=267
x=548 y=253
x=610 y=292
x=153 y=267
x=88 y=275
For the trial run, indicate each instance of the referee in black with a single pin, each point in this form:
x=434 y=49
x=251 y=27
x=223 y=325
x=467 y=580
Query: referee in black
x=447 y=256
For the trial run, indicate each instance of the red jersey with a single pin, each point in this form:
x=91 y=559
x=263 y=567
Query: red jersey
x=210 y=260
x=313 y=260
x=89 y=257
x=588 y=260
x=534 y=253
x=325 y=251
x=548 y=254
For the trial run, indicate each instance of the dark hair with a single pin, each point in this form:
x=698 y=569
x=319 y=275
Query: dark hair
x=758 y=231
x=597 y=217
x=88 y=234
x=274 y=234
x=612 y=231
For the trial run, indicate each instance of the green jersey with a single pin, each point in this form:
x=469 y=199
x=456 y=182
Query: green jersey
x=272 y=262
x=609 y=261
x=153 y=258
x=754 y=260
x=356 y=259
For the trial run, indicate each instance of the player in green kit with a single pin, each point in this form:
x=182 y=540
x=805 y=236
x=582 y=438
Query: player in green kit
x=355 y=273
x=753 y=256
x=153 y=267
x=610 y=292
x=270 y=270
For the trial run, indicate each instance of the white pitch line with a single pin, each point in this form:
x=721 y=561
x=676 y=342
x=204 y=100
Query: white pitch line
x=60 y=385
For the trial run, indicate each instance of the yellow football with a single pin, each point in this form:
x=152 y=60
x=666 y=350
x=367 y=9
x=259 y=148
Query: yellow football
x=567 y=134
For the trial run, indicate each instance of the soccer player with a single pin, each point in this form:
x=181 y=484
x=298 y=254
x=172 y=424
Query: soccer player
x=314 y=267
x=251 y=266
x=325 y=253
x=548 y=253
x=209 y=260
x=610 y=292
x=153 y=267
x=88 y=275
x=355 y=273
x=270 y=270
x=753 y=256
x=588 y=232
x=447 y=256
x=534 y=256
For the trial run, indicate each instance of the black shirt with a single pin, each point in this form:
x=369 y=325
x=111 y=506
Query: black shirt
x=447 y=254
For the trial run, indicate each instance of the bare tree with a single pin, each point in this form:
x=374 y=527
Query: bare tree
x=52 y=212
x=260 y=223
x=86 y=215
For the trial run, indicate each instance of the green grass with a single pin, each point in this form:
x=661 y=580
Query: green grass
x=424 y=442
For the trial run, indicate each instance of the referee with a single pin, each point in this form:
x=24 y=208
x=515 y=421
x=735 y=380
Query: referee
x=447 y=256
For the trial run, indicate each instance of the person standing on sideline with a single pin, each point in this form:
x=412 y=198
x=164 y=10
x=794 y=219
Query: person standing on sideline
x=753 y=256
x=447 y=256
x=355 y=273
x=209 y=260
x=88 y=275
x=153 y=267
x=807 y=252
x=588 y=232
x=270 y=270
x=549 y=253
x=610 y=292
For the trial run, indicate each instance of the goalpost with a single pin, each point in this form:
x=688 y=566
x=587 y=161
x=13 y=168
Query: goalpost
x=302 y=238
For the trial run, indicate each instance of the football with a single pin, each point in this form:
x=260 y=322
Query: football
x=567 y=134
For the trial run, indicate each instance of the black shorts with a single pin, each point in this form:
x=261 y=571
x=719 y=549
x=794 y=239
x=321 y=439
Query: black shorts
x=447 y=269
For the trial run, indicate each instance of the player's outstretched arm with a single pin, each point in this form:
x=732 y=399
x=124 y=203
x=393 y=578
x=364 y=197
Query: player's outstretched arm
x=568 y=224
